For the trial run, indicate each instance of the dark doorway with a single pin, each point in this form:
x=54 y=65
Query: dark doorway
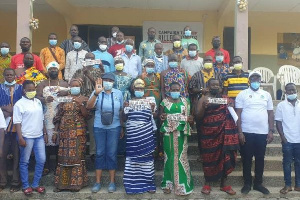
x=91 y=33
x=228 y=42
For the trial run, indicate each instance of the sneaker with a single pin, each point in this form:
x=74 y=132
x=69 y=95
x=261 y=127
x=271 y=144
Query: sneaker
x=112 y=187
x=261 y=189
x=246 y=189
x=96 y=188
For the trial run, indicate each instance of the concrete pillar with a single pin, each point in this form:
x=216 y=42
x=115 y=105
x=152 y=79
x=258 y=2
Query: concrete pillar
x=241 y=35
x=24 y=14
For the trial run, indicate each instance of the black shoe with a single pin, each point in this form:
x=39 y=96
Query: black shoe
x=261 y=189
x=246 y=189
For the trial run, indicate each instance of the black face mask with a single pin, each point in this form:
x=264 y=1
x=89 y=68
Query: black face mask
x=151 y=37
x=25 y=49
x=28 y=63
x=216 y=45
x=53 y=74
x=214 y=91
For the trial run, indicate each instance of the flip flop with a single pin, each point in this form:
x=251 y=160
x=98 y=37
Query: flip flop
x=14 y=188
x=27 y=191
x=39 y=189
x=285 y=190
x=206 y=189
x=167 y=191
x=228 y=189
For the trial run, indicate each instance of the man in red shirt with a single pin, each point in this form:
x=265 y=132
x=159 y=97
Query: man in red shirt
x=118 y=48
x=216 y=42
x=17 y=60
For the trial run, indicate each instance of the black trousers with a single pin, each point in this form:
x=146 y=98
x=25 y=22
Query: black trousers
x=255 y=146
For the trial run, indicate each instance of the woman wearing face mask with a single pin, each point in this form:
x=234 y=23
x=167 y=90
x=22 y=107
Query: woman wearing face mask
x=174 y=74
x=48 y=92
x=29 y=72
x=28 y=111
x=108 y=102
x=140 y=143
x=219 y=65
x=217 y=128
x=70 y=123
x=176 y=120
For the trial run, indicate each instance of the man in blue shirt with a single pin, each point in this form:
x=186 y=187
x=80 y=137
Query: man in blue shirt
x=105 y=57
x=160 y=60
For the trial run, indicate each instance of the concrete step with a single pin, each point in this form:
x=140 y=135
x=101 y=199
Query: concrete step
x=120 y=194
x=271 y=178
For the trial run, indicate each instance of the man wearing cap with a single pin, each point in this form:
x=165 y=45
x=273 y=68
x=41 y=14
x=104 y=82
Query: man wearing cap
x=48 y=92
x=254 y=108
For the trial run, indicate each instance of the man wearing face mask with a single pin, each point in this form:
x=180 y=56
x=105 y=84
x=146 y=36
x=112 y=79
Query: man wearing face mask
x=48 y=92
x=67 y=45
x=53 y=53
x=254 y=108
x=17 y=60
x=105 y=57
x=237 y=80
x=188 y=39
x=5 y=58
x=118 y=48
x=75 y=58
x=177 y=48
x=146 y=49
x=133 y=63
x=113 y=40
x=287 y=123
x=10 y=94
x=216 y=43
x=219 y=65
x=160 y=60
x=192 y=63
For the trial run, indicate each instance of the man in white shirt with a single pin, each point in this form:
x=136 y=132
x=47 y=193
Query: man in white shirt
x=287 y=123
x=193 y=62
x=254 y=108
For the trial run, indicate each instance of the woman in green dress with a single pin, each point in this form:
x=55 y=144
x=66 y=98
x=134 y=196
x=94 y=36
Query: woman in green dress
x=176 y=118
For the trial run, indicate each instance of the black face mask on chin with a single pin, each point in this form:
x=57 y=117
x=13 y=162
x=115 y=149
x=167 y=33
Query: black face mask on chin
x=28 y=63
x=216 y=45
x=25 y=49
x=53 y=74
x=214 y=91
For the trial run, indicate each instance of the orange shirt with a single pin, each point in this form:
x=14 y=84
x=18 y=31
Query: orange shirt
x=47 y=57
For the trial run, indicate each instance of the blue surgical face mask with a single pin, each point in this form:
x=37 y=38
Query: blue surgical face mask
x=52 y=42
x=4 y=51
x=138 y=94
x=173 y=64
x=175 y=95
x=192 y=53
x=128 y=47
x=187 y=33
x=291 y=97
x=75 y=90
x=255 y=85
x=107 y=85
x=9 y=84
x=149 y=70
x=77 y=45
x=219 y=59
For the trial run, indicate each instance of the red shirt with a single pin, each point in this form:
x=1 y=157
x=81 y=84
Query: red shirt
x=116 y=49
x=17 y=62
x=212 y=54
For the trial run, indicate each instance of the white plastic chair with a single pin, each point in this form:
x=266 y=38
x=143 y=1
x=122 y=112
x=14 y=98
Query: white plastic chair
x=288 y=74
x=266 y=76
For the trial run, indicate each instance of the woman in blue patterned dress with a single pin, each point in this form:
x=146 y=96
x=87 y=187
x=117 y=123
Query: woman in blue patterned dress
x=140 y=143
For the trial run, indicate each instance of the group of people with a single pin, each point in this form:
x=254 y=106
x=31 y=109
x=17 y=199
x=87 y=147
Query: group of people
x=142 y=106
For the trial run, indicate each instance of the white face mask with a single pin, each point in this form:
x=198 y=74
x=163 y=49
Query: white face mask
x=102 y=47
x=114 y=34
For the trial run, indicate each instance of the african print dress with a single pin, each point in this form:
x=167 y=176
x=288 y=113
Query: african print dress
x=176 y=75
x=71 y=170
x=140 y=145
x=219 y=142
x=123 y=83
x=177 y=174
x=152 y=87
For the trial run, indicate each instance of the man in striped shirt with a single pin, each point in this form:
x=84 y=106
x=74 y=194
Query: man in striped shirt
x=237 y=80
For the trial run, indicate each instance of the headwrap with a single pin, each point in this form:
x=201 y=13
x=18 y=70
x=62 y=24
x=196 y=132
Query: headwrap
x=118 y=58
x=146 y=61
x=79 y=80
x=52 y=64
x=139 y=83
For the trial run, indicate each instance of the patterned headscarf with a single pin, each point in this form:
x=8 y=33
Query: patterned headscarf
x=79 y=80
x=139 y=83
x=52 y=64
x=146 y=61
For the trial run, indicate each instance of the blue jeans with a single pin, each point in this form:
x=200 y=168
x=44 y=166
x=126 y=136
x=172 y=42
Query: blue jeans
x=38 y=146
x=291 y=151
x=106 y=147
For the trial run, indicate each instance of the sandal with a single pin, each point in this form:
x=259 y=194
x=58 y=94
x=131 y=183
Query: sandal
x=27 y=191
x=285 y=190
x=151 y=191
x=14 y=188
x=297 y=189
x=228 y=189
x=40 y=189
x=167 y=191
x=206 y=189
x=46 y=172
x=2 y=188
x=56 y=190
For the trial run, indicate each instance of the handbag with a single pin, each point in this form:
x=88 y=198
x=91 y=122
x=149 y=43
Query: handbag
x=107 y=116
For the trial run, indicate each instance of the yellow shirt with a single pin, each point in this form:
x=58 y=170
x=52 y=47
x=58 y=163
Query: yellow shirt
x=207 y=75
x=4 y=63
x=47 y=57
